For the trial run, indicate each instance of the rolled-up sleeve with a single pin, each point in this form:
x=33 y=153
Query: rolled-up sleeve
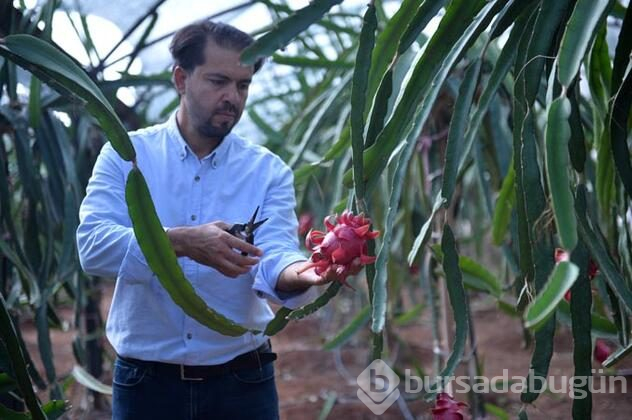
x=105 y=238
x=278 y=239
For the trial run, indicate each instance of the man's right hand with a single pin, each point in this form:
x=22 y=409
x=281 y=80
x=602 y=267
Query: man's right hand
x=210 y=244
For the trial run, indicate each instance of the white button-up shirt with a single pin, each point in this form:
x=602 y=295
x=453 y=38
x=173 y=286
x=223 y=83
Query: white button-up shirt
x=227 y=185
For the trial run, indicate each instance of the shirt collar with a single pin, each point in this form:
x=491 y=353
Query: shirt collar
x=217 y=156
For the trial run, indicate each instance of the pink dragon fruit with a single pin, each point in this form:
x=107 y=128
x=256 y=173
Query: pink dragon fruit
x=305 y=222
x=447 y=408
x=602 y=351
x=593 y=268
x=342 y=249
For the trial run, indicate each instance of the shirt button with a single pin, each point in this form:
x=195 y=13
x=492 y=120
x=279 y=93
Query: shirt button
x=197 y=178
x=213 y=164
x=193 y=217
x=189 y=336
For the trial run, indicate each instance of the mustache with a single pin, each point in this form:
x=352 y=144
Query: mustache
x=227 y=108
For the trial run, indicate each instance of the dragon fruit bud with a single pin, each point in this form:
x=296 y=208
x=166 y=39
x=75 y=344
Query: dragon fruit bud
x=447 y=408
x=561 y=255
x=602 y=351
x=305 y=223
x=593 y=269
x=342 y=248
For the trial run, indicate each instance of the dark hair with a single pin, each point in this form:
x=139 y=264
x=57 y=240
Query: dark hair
x=188 y=44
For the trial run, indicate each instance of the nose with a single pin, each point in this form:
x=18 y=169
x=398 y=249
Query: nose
x=231 y=94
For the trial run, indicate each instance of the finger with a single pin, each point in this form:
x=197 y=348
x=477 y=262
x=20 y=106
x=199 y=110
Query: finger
x=236 y=258
x=231 y=270
x=315 y=279
x=221 y=225
x=244 y=246
x=331 y=275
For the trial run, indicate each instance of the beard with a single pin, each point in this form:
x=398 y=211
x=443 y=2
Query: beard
x=219 y=130
x=210 y=130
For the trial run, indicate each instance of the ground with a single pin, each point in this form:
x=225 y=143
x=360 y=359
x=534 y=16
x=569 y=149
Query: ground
x=309 y=377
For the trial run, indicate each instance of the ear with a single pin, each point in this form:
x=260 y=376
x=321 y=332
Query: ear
x=179 y=79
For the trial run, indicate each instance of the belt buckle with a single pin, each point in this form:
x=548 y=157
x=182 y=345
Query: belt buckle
x=186 y=378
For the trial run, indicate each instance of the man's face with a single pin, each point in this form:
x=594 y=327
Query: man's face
x=215 y=92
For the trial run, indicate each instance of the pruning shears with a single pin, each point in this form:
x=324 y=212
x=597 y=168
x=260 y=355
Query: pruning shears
x=246 y=231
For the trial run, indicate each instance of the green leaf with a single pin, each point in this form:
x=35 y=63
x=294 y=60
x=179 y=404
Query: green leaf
x=496 y=411
x=504 y=205
x=7 y=383
x=564 y=275
x=598 y=250
x=285 y=30
x=330 y=401
x=29 y=279
x=306 y=62
x=386 y=44
x=162 y=260
x=586 y=17
x=132 y=80
x=55 y=409
x=463 y=21
x=8 y=414
x=501 y=68
x=9 y=337
x=380 y=291
x=551 y=16
x=557 y=135
x=320 y=301
x=600 y=326
x=279 y=322
x=619 y=131
x=474 y=274
x=84 y=378
x=426 y=11
x=302 y=173
x=409 y=316
x=537 y=261
x=510 y=14
x=599 y=74
x=605 y=177
x=622 y=51
x=577 y=143
x=401 y=31
x=24 y=154
x=358 y=97
x=323 y=106
x=35 y=103
x=44 y=343
x=617 y=356
x=424 y=233
x=458 y=124
x=581 y=308
x=459 y=305
x=358 y=321
x=61 y=73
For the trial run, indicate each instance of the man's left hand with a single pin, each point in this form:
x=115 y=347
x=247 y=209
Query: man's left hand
x=294 y=278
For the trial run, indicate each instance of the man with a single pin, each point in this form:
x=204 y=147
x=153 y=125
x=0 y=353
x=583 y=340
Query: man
x=202 y=179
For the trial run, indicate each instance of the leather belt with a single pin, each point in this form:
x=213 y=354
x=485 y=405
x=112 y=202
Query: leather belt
x=251 y=360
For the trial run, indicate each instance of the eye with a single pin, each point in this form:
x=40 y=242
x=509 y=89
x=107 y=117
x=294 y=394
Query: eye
x=217 y=82
x=244 y=86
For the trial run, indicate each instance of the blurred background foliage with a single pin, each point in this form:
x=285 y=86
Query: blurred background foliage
x=483 y=138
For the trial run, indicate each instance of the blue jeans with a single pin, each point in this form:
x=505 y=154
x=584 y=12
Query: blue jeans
x=139 y=394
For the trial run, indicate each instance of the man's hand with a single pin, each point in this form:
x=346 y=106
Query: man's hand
x=211 y=245
x=291 y=281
